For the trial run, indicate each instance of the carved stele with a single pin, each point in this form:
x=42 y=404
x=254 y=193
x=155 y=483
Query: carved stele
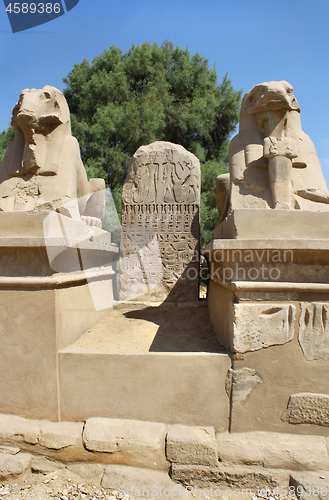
x=160 y=222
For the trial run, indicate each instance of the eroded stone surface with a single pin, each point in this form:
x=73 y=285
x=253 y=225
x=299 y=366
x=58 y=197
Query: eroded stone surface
x=230 y=477
x=240 y=383
x=88 y=471
x=58 y=435
x=273 y=450
x=160 y=222
x=314 y=330
x=262 y=325
x=13 y=465
x=11 y=450
x=191 y=445
x=41 y=465
x=15 y=429
x=133 y=440
x=307 y=408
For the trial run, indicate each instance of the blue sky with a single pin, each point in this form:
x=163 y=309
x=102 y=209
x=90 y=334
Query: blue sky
x=251 y=40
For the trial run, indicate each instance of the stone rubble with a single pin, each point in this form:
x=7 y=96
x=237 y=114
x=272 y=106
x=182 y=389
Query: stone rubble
x=63 y=484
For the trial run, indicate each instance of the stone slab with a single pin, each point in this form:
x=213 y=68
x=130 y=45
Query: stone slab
x=258 y=224
x=191 y=445
x=28 y=353
x=284 y=371
x=12 y=450
x=307 y=408
x=88 y=472
x=66 y=313
x=232 y=477
x=153 y=386
x=161 y=223
x=273 y=450
x=128 y=441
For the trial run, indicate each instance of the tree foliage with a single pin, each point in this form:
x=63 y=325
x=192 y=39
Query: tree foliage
x=151 y=92
x=5 y=139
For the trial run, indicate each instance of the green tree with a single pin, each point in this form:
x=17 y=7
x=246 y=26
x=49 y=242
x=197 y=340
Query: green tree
x=5 y=139
x=151 y=92
x=124 y=100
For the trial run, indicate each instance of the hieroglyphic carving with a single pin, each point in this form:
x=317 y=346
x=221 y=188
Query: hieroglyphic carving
x=257 y=326
x=160 y=203
x=313 y=335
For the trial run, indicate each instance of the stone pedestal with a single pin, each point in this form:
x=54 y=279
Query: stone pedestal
x=268 y=302
x=53 y=287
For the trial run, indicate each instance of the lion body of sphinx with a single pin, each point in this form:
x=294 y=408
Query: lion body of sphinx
x=42 y=167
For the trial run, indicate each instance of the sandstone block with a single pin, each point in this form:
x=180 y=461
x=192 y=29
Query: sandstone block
x=273 y=450
x=307 y=408
x=133 y=442
x=58 y=435
x=13 y=465
x=191 y=445
x=262 y=325
x=15 y=429
x=232 y=477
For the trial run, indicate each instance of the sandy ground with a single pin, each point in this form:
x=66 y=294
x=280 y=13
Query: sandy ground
x=149 y=327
